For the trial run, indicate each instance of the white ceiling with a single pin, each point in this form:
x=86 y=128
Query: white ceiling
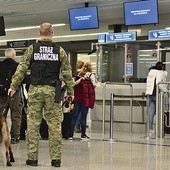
x=21 y=13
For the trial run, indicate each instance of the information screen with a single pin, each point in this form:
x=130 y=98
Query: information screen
x=83 y=18
x=141 y=12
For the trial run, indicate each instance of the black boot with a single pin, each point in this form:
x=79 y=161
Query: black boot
x=32 y=162
x=56 y=163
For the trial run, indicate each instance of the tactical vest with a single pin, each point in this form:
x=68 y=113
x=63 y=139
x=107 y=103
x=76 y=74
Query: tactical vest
x=45 y=63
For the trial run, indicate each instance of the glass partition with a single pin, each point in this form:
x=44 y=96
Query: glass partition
x=111 y=59
x=145 y=59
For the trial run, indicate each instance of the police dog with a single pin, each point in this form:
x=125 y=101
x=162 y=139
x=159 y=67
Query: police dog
x=5 y=137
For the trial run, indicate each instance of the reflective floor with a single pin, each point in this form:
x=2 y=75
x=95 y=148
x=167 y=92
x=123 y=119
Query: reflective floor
x=124 y=152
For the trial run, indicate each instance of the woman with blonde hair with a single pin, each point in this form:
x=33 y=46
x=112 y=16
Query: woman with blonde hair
x=88 y=71
x=82 y=102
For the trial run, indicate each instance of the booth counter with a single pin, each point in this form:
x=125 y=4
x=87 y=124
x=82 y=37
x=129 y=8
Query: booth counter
x=123 y=111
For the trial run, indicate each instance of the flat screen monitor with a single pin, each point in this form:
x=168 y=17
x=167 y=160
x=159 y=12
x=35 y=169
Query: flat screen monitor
x=141 y=12
x=83 y=18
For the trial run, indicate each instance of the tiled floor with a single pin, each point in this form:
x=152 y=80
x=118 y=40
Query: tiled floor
x=130 y=152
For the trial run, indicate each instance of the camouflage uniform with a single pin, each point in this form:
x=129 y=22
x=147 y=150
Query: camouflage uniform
x=42 y=97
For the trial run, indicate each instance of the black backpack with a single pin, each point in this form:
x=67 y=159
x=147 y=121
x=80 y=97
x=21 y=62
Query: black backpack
x=5 y=78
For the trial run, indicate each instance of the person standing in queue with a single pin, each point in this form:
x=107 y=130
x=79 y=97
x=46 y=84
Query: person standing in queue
x=156 y=75
x=46 y=62
x=84 y=98
x=7 y=68
x=79 y=67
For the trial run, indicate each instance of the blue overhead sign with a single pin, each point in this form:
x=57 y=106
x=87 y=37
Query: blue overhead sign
x=125 y=36
x=102 y=38
x=159 y=34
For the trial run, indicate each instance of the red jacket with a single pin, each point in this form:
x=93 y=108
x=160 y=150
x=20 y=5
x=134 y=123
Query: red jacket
x=88 y=93
x=85 y=92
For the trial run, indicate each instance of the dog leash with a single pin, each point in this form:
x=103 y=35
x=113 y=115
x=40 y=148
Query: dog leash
x=6 y=107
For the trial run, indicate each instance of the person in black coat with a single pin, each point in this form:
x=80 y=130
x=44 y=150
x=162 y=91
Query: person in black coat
x=7 y=69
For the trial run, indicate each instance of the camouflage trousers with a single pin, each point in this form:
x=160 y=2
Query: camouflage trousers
x=41 y=98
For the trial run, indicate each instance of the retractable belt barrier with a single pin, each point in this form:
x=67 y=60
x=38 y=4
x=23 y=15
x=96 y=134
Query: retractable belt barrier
x=104 y=101
x=159 y=108
x=129 y=96
x=160 y=112
x=112 y=96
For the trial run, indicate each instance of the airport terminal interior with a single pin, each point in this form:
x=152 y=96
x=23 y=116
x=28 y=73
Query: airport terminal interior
x=121 y=49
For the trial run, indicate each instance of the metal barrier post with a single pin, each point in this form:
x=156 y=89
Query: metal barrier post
x=104 y=103
x=159 y=115
x=103 y=109
x=112 y=117
x=130 y=116
x=147 y=121
x=157 y=111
